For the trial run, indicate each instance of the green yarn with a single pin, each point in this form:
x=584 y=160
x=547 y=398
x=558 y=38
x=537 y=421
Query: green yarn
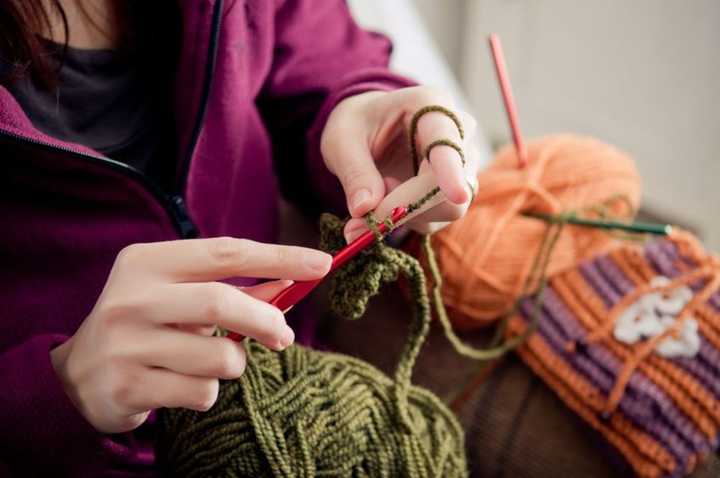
x=305 y=413
x=412 y=133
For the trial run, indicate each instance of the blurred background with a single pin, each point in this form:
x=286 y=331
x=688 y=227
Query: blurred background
x=642 y=75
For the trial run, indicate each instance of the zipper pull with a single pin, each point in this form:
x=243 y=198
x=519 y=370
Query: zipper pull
x=187 y=227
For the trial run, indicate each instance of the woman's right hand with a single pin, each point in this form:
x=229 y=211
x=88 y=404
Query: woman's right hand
x=148 y=341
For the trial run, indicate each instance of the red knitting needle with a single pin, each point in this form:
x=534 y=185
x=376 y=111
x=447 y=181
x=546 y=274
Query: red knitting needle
x=291 y=295
x=504 y=80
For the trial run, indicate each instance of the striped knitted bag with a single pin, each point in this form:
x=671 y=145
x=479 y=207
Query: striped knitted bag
x=630 y=341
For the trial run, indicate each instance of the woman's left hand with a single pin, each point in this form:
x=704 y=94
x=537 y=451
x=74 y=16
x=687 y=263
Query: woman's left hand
x=365 y=144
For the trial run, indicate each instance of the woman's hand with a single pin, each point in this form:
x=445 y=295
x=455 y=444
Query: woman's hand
x=365 y=145
x=148 y=341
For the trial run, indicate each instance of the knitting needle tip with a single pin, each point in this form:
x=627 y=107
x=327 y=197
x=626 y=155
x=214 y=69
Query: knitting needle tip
x=508 y=99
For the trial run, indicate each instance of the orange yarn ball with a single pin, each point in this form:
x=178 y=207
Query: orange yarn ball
x=486 y=256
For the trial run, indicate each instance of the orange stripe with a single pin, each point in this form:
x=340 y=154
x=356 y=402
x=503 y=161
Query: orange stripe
x=706 y=316
x=618 y=258
x=710 y=317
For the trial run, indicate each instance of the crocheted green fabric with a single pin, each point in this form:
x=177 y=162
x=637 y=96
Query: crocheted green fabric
x=305 y=413
x=352 y=286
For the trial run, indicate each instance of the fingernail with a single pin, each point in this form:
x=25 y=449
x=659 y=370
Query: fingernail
x=285 y=283
x=318 y=261
x=288 y=337
x=353 y=232
x=359 y=198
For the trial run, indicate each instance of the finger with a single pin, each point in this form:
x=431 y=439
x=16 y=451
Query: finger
x=267 y=290
x=357 y=225
x=403 y=195
x=445 y=161
x=354 y=228
x=160 y=388
x=201 y=260
x=215 y=303
x=445 y=212
x=391 y=183
x=355 y=167
x=189 y=354
x=433 y=126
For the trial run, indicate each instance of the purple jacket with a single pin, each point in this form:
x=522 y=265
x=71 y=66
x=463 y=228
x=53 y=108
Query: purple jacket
x=255 y=76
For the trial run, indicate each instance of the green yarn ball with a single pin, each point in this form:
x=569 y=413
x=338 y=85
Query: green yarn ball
x=304 y=413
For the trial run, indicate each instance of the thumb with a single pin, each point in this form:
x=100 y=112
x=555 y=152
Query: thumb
x=355 y=167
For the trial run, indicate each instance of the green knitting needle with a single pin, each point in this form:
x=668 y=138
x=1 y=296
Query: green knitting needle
x=638 y=227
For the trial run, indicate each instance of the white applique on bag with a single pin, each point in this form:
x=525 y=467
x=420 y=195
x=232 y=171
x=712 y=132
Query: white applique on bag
x=654 y=313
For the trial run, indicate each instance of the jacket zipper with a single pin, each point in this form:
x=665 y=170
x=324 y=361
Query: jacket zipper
x=175 y=210
x=174 y=204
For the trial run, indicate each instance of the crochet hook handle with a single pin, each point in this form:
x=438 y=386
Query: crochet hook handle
x=293 y=294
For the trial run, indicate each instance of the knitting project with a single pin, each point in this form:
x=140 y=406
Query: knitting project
x=630 y=340
x=305 y=413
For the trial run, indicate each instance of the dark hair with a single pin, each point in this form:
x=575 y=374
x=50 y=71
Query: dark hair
x=20 y=46
x=22 y=22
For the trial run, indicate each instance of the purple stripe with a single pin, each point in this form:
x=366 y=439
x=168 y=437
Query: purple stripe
x=658 y=255
x=671 y=253
x=615 y=276
x=709 y=354
x=663 y=258
x=715 y=301
x=639 y=408
x=705 y=370
x=669 y=250
x=601 y=287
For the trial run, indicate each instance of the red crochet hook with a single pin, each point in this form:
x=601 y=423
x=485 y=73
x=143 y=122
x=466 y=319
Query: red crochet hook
x=291 y=295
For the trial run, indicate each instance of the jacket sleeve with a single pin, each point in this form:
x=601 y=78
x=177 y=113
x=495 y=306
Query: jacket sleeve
x=49 y=435
x=321 y=56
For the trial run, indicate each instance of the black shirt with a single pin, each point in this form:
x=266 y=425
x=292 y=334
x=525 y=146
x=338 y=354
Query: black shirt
x=108 y=101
